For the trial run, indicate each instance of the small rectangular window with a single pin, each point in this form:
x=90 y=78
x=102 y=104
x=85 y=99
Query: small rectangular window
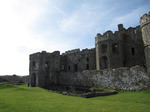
x=87 y=66
x=75 y=67
x=69 y=68
x=133 y=51
x=33 y=63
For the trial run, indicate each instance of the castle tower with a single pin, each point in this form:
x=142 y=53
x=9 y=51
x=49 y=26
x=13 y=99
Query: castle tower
x=109 y=50
x=145 y=28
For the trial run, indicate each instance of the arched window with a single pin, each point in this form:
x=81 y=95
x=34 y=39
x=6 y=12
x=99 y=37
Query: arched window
x=33 y=80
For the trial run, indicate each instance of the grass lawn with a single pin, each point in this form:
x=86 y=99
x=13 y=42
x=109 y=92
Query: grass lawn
x=20 y=98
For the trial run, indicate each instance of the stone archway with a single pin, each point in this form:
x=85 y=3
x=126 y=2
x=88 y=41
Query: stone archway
x=33 y=80
x=103 y=63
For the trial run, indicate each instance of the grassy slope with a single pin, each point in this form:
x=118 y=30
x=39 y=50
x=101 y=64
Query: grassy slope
x=25 y=99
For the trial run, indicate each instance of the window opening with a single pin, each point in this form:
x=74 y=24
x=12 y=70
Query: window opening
x=87 y=66
x=133 y=51
x=87 y=59
x=75 y=67
x=33 y=80
x=69 y=67
x=33 y=63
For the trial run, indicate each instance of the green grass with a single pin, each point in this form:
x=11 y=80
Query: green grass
x=20 y=98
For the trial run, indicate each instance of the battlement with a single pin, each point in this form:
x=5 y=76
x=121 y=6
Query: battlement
x=37 y=54
x=71 y=51
x=106 y=36
x=145 y=19
x=87 y=50
x=109 y=35
x=74 y=51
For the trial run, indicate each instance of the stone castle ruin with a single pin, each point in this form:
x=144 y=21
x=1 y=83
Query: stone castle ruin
x=117 y=61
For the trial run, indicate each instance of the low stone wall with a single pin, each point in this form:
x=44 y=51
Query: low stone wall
x=134 y=78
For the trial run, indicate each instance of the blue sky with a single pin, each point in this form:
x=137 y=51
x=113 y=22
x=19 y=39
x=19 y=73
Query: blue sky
x=29 y=26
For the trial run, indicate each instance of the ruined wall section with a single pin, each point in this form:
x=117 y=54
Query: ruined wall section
x=76 y=60
x=133 y=47
x=145 y=27
x=109 y=50
x=45 y=66
x=134 y=78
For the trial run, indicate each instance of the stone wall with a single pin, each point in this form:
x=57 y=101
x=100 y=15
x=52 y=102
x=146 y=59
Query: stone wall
x=134 y=78
x=145 y=27
x=76 y=60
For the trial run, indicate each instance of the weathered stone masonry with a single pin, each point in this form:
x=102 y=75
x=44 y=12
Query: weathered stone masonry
x=99 y=66
x=145 y=27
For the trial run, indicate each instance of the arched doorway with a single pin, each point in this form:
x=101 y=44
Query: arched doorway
x=33 y=80
x=103 y=63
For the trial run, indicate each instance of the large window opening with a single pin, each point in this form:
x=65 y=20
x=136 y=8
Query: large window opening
x=103 y=63
x=103 y=48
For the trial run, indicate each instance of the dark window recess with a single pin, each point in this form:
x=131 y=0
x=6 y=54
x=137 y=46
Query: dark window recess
x=133 y=51
x=75 y=67
x=115 y=48
x=33 y=80
x=69 y=67
x=87 y=59
x=33 y=63
x=103 y=48
x=87 y=66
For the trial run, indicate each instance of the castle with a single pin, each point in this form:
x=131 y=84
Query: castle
x=123 y=48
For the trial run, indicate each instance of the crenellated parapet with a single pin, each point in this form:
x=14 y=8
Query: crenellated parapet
x=71 y=51
x=76 y=51
x=106 y=36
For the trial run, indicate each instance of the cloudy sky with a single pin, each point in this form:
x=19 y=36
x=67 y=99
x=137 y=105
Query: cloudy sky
x=29 y=26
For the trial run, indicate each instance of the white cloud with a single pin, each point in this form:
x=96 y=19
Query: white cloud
x=16 y=20
x=130 y=19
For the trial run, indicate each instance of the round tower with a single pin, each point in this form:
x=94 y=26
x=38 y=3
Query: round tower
x=145 y=28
